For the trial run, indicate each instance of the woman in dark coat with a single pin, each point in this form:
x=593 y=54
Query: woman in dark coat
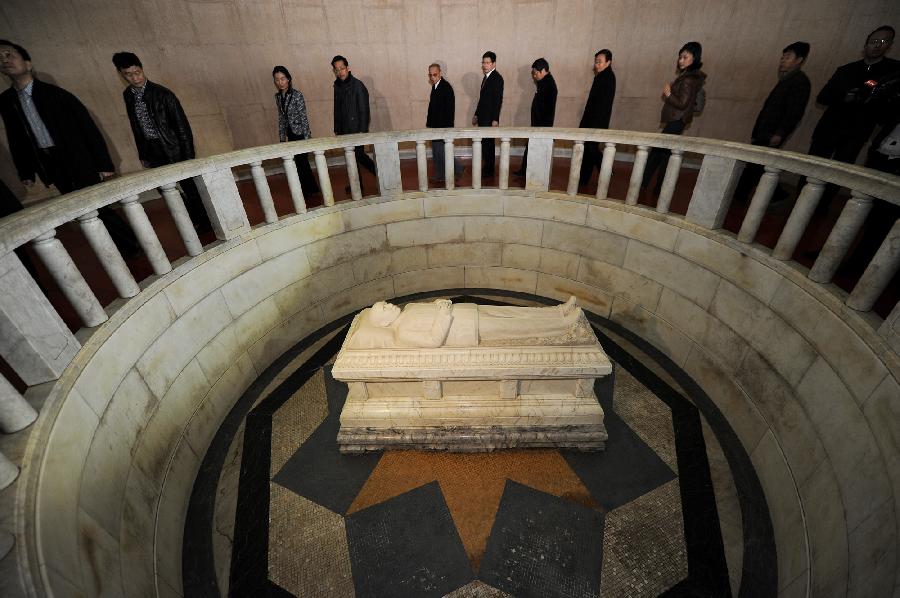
x=293 y=124
x=679 y=100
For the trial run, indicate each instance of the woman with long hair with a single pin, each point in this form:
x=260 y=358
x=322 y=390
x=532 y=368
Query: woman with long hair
x=679 y=102
x=293 y=124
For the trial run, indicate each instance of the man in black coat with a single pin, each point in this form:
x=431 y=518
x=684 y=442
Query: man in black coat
x=351 y=108
x=597 y=111
x=441 y=114
x=487 y=113
x=161 y=129
x=52 y=136
x=543 y=104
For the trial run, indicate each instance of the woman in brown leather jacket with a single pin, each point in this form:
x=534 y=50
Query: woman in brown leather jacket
x=679 y=98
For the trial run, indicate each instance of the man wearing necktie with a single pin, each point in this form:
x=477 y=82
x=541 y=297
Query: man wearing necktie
x=487 y=114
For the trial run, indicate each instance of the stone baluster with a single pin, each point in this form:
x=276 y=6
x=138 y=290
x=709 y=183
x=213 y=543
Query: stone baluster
x=15 y=412
x=879 y=273
x=449 y=170
x=575 y=167
x=799 y=219
x=293 y=179
x=637 y=175
x=476 y=163
x=387 y=161
x=759 y=204
x=263 y=192
x=110 y=258
x=145 y=234
x=9 y=471
x=223 y=203
x=7 y=541
x=841 y=237
x=673 y=168
x=606 y=167
x=69 y=279
x=504 y=163
x=713 y=191
x=324 y=178
x=353 y=173
x=182 y=219
x=422 y=165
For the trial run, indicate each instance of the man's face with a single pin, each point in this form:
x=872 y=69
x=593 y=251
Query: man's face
x=878 y=44
x=600 y=63
x=538 y=75
x=134 y=75
x=434 y=75
x=487 y=65
x=789 y=63
x=340 y=70
x=12 y=63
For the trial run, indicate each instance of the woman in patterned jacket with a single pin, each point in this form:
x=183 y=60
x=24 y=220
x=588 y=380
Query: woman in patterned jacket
x=293 y=124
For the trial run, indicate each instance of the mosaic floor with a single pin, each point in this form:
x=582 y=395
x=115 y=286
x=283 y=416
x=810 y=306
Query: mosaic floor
x=277 y=510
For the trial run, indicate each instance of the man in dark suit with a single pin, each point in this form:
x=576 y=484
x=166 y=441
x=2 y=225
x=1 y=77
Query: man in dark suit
x=487 y=114
x=543 y=105
x=597 y=111
x=441 y=114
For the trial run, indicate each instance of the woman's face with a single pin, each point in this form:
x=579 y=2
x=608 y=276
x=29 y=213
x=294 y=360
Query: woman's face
x=685 y=59
x=281 y=82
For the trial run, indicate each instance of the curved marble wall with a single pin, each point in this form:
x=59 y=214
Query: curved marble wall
x=809 y=388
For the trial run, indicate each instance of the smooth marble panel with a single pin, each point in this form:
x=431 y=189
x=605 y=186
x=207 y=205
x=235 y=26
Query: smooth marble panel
x=358 y=297
x=61 y=584
x=463 y=254
x=588 y=242
x=589 y=297
x=619 y=282
x=300 y=233
x=314 y=288
x=382 y=264
x=882 y=411
x=633 y=226
x=508 y=279
x=681 y=275
x=826 y=527
x=274 y=274
x=417 y=281
x=172 y=513
x=256 y=322
x=463 y=205
x=503 y=229
x=425 y=232
x=154 y=449
x=219 y=354
x=197 y=283
x=185 y=394
x=873 y=554
x=654 y=330
x=101 y=569
x=346 y=247
x=281 y=338
x=559 y=263
x=139 y=509
x=574 y=212
x=523 y=257
x=383 y=213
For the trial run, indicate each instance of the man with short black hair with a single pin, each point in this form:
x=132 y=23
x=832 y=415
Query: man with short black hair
x=487 y=113
x=597 y=111
x=161 y=129
x=543 y=105
x=351 y=108
x=441 y=114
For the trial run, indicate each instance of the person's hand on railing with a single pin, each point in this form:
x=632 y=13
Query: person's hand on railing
x=495 y=123
x=474 y=121
x=106 y=175
x=28 y=183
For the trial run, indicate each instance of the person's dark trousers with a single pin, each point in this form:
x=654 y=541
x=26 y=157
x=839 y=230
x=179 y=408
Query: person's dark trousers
x=589 y=161
x=363 y=159
x=437 y=156
x=751 y=175
x=524 y=167
x=880 y=220
x=192 y=201
x=487 y=157
x=307 y=180
x=660 y=156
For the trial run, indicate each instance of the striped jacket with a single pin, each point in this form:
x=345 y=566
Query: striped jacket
x=292 y=113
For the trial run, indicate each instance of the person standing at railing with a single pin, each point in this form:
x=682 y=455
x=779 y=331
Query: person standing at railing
x=487 y=113
x=441 y=114
x=543 y=104
x=52 y=136
x=679 y=105
x=351 y=109
x=293 y=124
x=161 y=129
x=597 y=111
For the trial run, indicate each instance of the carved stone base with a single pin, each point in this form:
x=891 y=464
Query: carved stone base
x=473 y=439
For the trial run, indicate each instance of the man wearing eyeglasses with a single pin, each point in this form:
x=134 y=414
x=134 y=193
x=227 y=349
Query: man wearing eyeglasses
x=351 y=108
x=848 y=121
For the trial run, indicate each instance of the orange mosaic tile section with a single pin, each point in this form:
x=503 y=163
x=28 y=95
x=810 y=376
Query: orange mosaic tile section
x=472 y=484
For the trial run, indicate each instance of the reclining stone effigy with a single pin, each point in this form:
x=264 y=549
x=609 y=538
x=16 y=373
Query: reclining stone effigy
x=469 y=377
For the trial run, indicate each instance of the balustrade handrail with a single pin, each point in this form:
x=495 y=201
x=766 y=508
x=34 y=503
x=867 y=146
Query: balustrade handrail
x=22 y=227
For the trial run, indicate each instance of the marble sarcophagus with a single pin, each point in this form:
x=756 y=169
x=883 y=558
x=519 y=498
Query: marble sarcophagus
x=467 y=377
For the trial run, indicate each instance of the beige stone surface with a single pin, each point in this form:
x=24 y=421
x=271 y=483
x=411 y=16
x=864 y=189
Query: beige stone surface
x=559 y=263
x=873 y=553
x=293 y=234
x=423 y=232
x=827 y=529
x=383 y=213
x=314 y=288
x=246 y=290
x=599 y=245
x=590 y=298
x=417 y=281
x=172 y=512
x=211 y=274
x=281 y=338
x=503 y=229
x=681 y=275
x=620 y=282
x=136 y=549
x=463 y=205
x=219 y=354
x=462 y=254
x=524 y=257
x=627 y=224
x=656 y=331
x=545 y=208
x=357 y=297
x=501 y=278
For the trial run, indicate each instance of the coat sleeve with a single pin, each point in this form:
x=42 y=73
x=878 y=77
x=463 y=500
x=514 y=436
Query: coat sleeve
x=136 y=132
x=683 y=94
x=795 y=106
x=182 y=127
x=550 y=114
x=362 y=107
x=607 y=96
x=498 y=99
x=91 y=134
x=282 y=121
x=19 y=142
x=835 y=90
x=304 y=116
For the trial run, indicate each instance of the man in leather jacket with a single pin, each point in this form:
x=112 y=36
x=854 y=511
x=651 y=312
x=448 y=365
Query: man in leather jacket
x=161 y=129
x=351 y=108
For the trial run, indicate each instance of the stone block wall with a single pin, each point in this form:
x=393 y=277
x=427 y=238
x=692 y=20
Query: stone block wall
x=810 y=389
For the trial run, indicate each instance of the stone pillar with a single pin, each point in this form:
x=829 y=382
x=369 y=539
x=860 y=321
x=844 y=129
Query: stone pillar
x=69 y=279
x=106 y=251
x=34 y=340
x=673 y=168
x=879 y=272
x=606 y=167
x=575 y=167
x=387 y=157
x=422 y=165
x=712 y=193
x=476 y=163
x=449 y=164
x=182 y=219
x=9 y=471
x=540 y=160
x=799 y=219
x=223 y=203
x=841 y=237
x=145 y=234
x=324 y=177
x=15 y=412
x=263 y=191
x=759 y=204
x=504 y=163
x=293 y=179
x=637 y=175
x=352 y=173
